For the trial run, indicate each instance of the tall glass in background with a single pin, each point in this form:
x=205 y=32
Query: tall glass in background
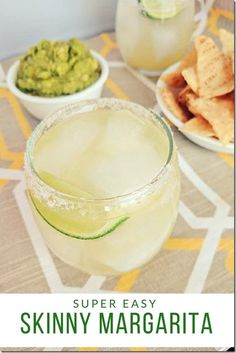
x=154 y=34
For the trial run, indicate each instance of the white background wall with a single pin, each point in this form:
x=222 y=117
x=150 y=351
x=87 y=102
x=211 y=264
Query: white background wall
x=24 y=22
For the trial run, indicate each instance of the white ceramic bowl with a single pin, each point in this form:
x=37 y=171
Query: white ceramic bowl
x=207 y=142
x=42 y=106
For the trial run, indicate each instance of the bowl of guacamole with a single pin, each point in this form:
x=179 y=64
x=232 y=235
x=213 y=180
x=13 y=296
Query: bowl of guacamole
x=52 y=74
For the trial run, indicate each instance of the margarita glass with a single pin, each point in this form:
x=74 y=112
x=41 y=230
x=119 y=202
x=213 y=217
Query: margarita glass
x=103 y=183
x=153 y=34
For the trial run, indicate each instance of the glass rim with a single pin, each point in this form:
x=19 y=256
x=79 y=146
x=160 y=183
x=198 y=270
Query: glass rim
x=109 y=103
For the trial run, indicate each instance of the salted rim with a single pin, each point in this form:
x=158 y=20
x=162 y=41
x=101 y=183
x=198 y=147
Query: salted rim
x=44 y=192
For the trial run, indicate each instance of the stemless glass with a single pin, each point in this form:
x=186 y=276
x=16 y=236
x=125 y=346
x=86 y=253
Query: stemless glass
x=136 y=223
x=153 y=34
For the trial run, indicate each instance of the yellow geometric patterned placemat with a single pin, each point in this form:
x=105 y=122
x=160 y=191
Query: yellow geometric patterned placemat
x=198 y=257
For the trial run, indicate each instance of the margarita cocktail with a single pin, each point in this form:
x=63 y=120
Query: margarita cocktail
x=103 y=183
x=153 y=34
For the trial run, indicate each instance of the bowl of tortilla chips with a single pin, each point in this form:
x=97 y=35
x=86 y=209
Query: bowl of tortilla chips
x=197 y=94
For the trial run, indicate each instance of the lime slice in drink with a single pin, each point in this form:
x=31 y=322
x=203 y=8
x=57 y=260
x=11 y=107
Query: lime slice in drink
x=62 y=185
x=160 y=9
x=88 y=222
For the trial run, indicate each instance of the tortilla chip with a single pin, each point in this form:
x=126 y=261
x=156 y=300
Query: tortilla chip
x=219 y=112
x=227 y=41
x=183 y=95
x=232 y=59
x=229 y=96
x=173 y=105
x=199 y=126
x=190 y=76
x=214 y=69
x=175 y=80
x=190 y=59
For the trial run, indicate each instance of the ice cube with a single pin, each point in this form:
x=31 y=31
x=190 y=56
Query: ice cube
x=60 y=147
x=123 y=127
x=117 y=171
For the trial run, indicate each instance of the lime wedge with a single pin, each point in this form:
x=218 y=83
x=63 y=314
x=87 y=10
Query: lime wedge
x=109 y=228
x=160 y=9
x=62 y=185
x=87 y=224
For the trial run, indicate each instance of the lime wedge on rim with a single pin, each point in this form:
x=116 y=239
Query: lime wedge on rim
x=88 y=225
x=160 y=9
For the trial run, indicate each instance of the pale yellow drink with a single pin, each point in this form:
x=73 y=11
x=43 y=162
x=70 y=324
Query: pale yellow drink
x=152 y=44
x=103 y=185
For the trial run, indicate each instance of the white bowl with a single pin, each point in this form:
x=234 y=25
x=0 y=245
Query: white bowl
x=42 y=106
x=207 y=142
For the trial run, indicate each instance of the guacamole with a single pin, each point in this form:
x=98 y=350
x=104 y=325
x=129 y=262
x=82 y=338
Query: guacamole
x=57 y=68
